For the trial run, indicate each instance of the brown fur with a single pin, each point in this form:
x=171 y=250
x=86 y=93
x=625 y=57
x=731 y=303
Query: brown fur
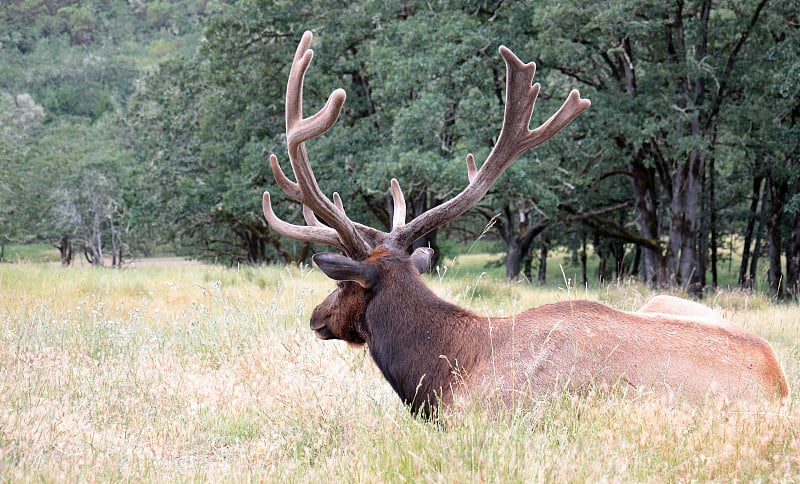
x=431 y=351
x=666 y=304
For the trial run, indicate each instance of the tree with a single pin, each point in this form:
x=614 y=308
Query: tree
x=201 y=126
x=762 y=126
x=79 y=201
x=435 y=93
x=654 y=165
x=662 y=74
x=68 y=69
x=20 y=117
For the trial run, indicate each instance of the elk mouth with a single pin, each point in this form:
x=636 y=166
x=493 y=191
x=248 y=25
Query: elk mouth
x=323 y=333
x=321 y=330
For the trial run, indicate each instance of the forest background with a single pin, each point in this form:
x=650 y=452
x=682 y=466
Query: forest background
x=134 y=127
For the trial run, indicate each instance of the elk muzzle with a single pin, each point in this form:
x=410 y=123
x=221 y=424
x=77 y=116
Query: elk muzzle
x=319 y=323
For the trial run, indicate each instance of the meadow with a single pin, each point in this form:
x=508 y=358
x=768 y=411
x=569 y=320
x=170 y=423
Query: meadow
x=179 y=372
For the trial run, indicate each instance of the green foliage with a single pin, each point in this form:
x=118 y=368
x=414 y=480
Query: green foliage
x=421 y=82
x=68 y=70
x=20 y=120
x=667 y=85
x=425 y=87
x=80 y=23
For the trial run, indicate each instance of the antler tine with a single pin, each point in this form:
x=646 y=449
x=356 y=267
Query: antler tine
x=373 y=237
x=472 y=171
x=399 y=202
x=337 y=201
x=317 y=233
x=305 y=189
x=515 y=138
x=310 y=218
x=568 y=111
x=288 y=186
x=518 y=113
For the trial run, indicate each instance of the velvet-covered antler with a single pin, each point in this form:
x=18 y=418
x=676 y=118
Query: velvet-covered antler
x=356 y=240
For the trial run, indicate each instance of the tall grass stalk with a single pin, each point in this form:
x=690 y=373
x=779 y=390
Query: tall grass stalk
x=205 y=373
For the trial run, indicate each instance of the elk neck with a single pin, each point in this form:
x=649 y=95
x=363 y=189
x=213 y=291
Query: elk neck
x=424 y=345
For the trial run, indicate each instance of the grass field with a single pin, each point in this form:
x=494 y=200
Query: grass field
x=196 y=372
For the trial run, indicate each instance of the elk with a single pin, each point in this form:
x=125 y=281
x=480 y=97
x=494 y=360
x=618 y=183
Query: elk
x=437 y=355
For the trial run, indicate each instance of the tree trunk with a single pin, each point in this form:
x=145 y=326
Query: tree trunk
x=777 y=195
x=762 y=222
x=513 y=259
x=116 y=250
x=676 y=231
x=95 y=242
x=541 y=275
x=518 y=245
x=793 y=260
x=65 y=249
x=744 y=281
x=712 y=218
x=527 y=267
x=643 y=180
x=254 y=245
x=584 y=275
x=601 y=249
x=690 y=266
x=682 y=248
x=703 y=228
x=637 y=259
x=618 y=251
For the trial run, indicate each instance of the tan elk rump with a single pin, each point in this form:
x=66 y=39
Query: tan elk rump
x=666 y=304
x=433 y=352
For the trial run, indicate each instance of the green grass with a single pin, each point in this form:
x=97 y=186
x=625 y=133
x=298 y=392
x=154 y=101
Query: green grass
x=31 y=253
x=179 y=373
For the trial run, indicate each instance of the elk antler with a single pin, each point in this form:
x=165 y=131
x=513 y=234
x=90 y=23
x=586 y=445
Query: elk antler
x=515 y=138
x=357 y=240
x=342 y=232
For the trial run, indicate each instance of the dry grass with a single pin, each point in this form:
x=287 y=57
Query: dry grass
x=204 y=373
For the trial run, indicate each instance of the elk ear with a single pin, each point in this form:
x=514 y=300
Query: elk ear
x=341 y=268
x=422 y=259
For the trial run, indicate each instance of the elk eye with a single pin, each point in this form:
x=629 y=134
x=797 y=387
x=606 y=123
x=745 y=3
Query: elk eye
x=340 y=284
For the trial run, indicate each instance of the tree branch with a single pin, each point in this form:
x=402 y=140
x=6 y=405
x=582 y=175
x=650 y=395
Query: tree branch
x=723 y=84
x=608 y=227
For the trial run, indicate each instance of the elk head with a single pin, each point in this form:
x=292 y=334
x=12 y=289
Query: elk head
x=342 y=314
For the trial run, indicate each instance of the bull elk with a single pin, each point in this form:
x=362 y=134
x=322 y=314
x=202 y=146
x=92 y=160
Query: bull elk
x=435 y=353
